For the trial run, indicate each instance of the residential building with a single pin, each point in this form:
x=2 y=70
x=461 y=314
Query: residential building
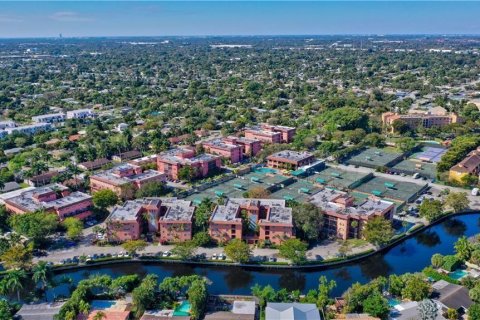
x=451 y=296
x=267 y=219
x=94 y=165
x=80 y=114
x=417 y=120
x=170 y=162
x=41 y=179
x=289 y=160
x=233 y=148
x=468 y=166
x=291 y=311
x=49 y=118
x=265 y=136
x=410 y=310
x=55 y=198
x=7 y=124
x=39 y=311
x=30 y=129
x=238 y=310
x=145 y=161
x=287 y=132
x=175 y=223
x=128 y=155
x=345 y=219
x=124 y=179
x=225 y=148
x=170 y=217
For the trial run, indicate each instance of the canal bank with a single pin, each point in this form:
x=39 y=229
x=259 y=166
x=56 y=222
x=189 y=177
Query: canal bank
x=409 y=254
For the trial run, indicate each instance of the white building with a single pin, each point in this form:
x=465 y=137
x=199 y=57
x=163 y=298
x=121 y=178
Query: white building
x=30 y=129
x=49 y=118
x=7 y=124
x=80 y=114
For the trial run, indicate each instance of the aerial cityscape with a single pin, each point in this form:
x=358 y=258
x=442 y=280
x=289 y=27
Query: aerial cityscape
x=239 y=160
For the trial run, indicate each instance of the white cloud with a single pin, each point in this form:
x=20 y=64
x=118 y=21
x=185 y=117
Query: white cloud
x=69 y=16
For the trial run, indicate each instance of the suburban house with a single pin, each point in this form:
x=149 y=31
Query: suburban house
x=267 y=220
x=39 y=311
x=169 y=217
x=417 y=120
x=289 y=160
x=468 y=166
x=451 y=296
x=41 y=179
x=343 y=218
x=54 y=198
x=124 y=179
x=128 y=155
x=291 y=311
x=93 y=165
x=170 y=162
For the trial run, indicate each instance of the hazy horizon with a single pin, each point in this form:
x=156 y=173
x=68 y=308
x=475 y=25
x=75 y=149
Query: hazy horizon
x=33 y=19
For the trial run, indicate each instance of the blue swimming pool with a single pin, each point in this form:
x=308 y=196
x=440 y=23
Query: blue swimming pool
x=183 y=309
x=102 y=304
x=393 y=302
x=458 y=274
x=265 y=170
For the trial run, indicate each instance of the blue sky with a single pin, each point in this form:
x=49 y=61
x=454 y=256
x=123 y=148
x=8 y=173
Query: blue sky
x=157 y=18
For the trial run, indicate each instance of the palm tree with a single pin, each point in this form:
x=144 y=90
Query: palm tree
x=83 y=307
x=41 y=273
x=14 y=279
x=100 y=315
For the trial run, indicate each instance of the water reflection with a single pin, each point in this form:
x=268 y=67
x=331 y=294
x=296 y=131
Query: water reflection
x=454 y=227
x=343 y=274
x=375 y=266
x=236 y=278
x=410 y=256
x=428 y=238
x=292 y=280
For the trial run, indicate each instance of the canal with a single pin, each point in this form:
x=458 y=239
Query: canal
x=409 y=256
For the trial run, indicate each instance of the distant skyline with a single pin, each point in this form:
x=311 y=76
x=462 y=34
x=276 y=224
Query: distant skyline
x=26 y=19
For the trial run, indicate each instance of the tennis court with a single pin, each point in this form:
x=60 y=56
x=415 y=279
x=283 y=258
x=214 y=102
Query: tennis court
x=375 y=157
x=430 y=154
x=339 y=179
x=391 y=189
x=410 y=167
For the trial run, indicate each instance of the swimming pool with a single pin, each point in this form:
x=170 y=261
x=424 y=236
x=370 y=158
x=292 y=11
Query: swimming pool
x=265 y=170
x=393 y=302
x=458 y=274
x=183 y=309
x=102 y=304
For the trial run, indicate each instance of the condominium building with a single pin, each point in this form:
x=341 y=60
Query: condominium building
x=124 y=179
x=267 y=219
x=233 y=148
x=346 y=219
x=468 y=166
x=7 y=124
x=54 y=198
x=80 y=114
x=30 y=129
x=128 y=155
x=170 y=162
x=417 y=120
x=270 y=134
x=49 y=118
x=171 y=218
x=290 y=160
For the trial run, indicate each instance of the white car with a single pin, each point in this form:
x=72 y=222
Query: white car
x=214 y=256
x=166 y=254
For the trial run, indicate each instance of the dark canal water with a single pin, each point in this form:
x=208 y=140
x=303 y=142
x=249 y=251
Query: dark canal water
x=410 y=256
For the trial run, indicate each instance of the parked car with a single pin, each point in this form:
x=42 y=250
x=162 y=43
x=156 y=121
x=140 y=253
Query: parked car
x=166 y=254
